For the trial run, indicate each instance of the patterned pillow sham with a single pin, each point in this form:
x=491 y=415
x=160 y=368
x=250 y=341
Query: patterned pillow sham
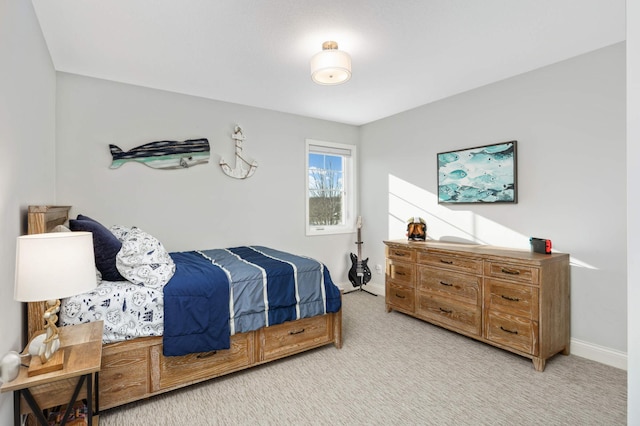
x=143 y=259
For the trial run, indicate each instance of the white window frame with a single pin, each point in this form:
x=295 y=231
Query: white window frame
x=350 y=186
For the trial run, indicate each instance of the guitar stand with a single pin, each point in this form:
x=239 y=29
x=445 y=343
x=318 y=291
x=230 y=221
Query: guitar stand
x=360 y=289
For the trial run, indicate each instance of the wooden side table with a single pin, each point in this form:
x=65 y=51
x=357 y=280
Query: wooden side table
x=82 y=346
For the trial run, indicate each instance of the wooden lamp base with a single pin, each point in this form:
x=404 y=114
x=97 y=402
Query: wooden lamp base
x=55 y=363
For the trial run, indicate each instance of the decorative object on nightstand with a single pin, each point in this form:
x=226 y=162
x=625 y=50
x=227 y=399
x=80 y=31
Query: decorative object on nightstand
x=83 y=345
x=9 y=366
x=48 y=267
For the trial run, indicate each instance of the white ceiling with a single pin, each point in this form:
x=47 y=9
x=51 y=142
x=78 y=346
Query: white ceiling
x=405 y=53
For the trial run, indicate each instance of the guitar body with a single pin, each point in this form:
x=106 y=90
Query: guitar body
x=359 y=273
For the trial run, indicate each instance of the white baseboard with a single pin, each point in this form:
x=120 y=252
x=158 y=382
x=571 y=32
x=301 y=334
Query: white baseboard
x=599 y=354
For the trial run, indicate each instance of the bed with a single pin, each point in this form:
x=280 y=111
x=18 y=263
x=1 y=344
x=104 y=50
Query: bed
x=140 y=367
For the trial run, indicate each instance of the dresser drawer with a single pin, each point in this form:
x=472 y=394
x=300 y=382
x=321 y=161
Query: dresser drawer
x=464 y=287
x=177 y=370
x=400 y=253
x=515 y=332
x=400 y=296
x=285 y=339
x=401 y=272
x=450 y=313
x=456 y=263
x=515 y=299
x=510 y=271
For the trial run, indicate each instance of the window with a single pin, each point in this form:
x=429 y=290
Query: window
x=330 y=187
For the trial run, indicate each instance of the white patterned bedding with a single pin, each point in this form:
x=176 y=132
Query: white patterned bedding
x=128 y=310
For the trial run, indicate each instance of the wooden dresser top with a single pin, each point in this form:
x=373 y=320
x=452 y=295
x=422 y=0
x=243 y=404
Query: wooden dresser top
x=484 y=251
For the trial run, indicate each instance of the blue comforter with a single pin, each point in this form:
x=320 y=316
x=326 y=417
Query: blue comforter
x=216 y=293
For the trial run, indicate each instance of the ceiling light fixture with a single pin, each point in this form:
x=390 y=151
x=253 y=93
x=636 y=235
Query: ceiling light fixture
x=331 y=66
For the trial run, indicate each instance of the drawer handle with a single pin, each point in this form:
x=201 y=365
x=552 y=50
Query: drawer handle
x=508 y=331
x=399 y=253
x=446 y=311
x=400 y=273
x=206 y=354
x=447 y=284
x=400 y=296
x=291 y=333
x=512 y=299
x=510 y=271
x=448 y=262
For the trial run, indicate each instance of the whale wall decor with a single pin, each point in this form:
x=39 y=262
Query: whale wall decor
x=164 y=154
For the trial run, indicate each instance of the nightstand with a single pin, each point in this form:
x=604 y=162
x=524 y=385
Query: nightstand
x=82 y=346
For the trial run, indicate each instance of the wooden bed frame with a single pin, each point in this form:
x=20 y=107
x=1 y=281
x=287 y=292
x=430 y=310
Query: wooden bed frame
x=136 y=369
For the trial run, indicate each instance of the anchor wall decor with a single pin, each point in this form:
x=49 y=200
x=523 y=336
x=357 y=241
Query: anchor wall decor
x=243 y=168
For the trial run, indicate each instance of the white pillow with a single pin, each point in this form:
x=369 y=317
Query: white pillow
x=143 y=259
x=61 y=228
x=120 y=231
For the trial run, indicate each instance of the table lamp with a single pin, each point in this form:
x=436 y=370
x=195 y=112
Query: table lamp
x=49 y=267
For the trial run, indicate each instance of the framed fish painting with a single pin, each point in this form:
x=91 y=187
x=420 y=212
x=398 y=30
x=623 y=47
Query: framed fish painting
x=484 y=174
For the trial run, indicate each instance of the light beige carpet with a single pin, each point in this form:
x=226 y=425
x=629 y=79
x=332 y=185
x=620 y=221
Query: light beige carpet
x=394 y=369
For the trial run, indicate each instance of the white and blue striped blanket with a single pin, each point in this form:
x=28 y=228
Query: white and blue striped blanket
x=216 y=293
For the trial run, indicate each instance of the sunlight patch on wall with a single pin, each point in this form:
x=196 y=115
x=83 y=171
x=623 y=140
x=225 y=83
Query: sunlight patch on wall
x=406 y=200
x=445 y=224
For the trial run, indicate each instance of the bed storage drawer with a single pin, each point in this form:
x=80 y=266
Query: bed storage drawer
x=123 y=375
x=176 y=370
x=286 y=339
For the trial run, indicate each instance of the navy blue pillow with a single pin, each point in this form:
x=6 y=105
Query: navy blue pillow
x=105 y=246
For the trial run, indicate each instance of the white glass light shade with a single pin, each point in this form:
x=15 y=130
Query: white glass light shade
x=54 y=265
x=330 y=66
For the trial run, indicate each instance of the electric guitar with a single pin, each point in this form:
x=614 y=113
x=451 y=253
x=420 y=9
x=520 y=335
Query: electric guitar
x=359 y=273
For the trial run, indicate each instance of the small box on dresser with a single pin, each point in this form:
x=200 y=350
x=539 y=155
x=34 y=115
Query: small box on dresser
x=512 y=299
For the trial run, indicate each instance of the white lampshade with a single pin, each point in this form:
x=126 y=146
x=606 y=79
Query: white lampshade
x=54 y=265
x=330 y=66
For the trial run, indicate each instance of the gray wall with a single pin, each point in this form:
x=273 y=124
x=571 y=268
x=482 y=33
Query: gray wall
x=199 y=207
x=27 y=173
x=569 y=121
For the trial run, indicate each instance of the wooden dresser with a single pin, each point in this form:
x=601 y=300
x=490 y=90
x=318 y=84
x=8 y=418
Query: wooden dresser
x=513 y=299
